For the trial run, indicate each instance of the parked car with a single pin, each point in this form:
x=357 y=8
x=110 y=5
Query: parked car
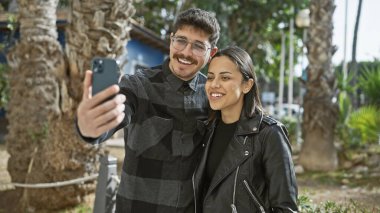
x=294 y=109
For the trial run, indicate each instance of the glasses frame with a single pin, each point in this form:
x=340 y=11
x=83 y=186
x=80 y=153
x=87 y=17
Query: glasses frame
x=174 y=38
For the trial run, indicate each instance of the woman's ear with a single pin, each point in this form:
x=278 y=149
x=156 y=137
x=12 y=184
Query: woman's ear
x=248 y=85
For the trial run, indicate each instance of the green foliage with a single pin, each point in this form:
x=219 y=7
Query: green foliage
x=83 y=208
x=365 y=122
x=253 y=25
x=4 y=85
x=305 y=205
x=4 y=68
x=63 y=3
x=290 y=123
x=158 y=16
x=344 y=85
x=4 y=5
x=369 y=82
x=344 y=133
x=40 y=134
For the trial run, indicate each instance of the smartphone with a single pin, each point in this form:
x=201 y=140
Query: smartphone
x=105 y=72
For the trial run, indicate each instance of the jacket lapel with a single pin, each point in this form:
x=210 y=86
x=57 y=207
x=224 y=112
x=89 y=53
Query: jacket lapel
x=238 y=150
x=234 y=156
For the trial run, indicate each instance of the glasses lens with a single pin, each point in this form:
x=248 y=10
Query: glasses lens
x=179 y=43
x=197 y=48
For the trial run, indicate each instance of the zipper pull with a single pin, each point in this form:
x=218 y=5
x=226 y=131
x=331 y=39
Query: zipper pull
x=233 y=207
x=262 y=209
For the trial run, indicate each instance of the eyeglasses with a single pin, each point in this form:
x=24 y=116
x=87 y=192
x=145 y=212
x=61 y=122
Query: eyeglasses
x=198 y=48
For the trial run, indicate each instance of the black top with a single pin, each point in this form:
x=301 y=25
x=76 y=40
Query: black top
x=222 y=136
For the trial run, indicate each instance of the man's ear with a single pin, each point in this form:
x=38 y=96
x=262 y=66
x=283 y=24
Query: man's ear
x=170 y=38
x=213 y=51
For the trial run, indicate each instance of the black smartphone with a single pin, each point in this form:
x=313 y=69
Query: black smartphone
x=105 y=72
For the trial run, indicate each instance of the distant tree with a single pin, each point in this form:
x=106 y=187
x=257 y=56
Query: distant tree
x=354 y=63
x=318 y=152
x=253 y=25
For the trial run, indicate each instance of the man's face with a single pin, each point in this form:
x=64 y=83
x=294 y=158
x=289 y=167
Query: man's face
x=186 y=62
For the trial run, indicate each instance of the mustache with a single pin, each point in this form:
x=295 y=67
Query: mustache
x=187 y=58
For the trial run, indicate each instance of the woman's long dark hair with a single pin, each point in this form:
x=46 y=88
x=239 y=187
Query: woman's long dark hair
x=252 y=102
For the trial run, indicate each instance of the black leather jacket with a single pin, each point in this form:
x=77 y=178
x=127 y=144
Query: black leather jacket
x=256 y=173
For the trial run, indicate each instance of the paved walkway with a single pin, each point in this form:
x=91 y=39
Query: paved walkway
x=5 y=178
x=115 y=142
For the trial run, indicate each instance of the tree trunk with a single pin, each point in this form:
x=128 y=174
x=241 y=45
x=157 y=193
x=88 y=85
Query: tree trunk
x=45 y=92
x=354 y=64
x=320 y=113
x=95 y=28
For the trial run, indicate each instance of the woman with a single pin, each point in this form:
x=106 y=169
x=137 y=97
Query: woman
x=247 y=164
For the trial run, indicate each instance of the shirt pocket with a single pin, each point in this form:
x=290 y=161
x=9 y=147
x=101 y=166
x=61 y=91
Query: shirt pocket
x=142 y=136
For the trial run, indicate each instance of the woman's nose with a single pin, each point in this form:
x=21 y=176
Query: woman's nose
x=215 y=83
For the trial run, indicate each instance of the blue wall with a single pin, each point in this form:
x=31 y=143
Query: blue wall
x=143 y=55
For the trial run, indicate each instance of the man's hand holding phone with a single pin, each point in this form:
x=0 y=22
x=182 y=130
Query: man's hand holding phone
x=100 y=111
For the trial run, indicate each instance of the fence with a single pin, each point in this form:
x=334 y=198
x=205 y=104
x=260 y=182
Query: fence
x=107 y=184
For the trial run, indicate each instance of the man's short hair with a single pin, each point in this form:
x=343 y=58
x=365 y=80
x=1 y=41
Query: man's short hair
x=200 y=19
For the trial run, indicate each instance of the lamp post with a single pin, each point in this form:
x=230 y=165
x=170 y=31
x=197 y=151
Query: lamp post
x=282 y=69
x=291 y=65
x=302 y=21
x=345 y=45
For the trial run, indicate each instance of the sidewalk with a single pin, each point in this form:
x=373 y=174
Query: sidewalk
x=5 y=178
x=115 y=142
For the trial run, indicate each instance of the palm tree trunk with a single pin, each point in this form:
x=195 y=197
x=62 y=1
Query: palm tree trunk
x=354 y=64
x=320 y=112
x=95 y=28
x=35 y=92
x=45 y=91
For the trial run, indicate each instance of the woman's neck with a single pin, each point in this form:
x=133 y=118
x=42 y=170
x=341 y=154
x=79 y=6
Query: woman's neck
x=229 y=117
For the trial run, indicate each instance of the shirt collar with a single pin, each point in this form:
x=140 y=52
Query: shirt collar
x=174 y=81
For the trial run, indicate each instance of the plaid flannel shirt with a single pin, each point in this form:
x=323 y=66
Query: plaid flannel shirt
x=163 y=128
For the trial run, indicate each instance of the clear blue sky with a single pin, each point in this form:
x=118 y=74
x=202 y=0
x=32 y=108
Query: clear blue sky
x=368 y=45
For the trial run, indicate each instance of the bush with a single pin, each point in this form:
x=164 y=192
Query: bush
x=369 y=83
x=305 y=205
x=365 y=122
x=290 y=123
x=4 y=86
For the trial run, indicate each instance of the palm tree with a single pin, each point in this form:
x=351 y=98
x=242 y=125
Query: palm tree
x=354 y=63
x=45 y=91
x=320 y=112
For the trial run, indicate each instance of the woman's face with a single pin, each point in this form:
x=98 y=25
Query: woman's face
x=225 y=87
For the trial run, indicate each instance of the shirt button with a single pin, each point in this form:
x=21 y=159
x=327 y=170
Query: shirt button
x=254 y=128
x=246 y=153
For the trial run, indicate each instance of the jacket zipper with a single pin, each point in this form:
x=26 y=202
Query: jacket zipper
x=233 y=206
x=253 y=196
x=195 y=197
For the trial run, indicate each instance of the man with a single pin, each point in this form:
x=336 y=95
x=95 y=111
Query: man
x=161 y=110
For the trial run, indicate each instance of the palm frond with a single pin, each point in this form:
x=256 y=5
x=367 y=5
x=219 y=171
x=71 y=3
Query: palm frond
x=366 y=122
